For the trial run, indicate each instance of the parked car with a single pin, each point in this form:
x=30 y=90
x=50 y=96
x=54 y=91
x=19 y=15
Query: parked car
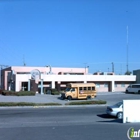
x=133 y=88
x=115 y=110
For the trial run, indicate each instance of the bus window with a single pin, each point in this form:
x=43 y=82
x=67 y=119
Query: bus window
x=85 y=88
x=73 y=89
x=89 y=88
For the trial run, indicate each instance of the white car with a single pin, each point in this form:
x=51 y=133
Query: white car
x=116 y=110
x=133 y=88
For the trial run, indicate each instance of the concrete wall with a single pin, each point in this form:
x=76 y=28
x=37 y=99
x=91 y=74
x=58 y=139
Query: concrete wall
x=101 y=79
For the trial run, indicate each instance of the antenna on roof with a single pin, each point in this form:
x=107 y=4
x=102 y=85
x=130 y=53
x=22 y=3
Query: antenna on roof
x=127 y=51
x=24 y=64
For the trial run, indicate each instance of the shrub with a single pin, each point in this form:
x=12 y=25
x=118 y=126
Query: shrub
x=86 y=102
x=27 y=104
x=55 y=92
x=20 y=93
x=1 y=91
x=25 y=93
x=8 y=93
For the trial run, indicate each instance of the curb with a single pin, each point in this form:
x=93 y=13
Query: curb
x=61 y=106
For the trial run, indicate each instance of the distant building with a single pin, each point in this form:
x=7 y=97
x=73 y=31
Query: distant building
x=42 y=79
x=137 y=73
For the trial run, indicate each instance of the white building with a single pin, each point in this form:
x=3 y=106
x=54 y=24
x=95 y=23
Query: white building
x=41 y=79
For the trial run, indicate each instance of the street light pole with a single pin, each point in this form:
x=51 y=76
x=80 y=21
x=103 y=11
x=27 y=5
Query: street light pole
x=50 y=69
x=86 y=68
x=112 y=67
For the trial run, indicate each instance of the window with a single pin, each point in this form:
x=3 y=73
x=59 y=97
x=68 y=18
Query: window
x=97 y=85
x=80 y=88
x=122 y=85
x=85 y=88
x=73 y=89
x=115 y=85
x=89 y=88
x=93 y=88
x=135 y=86
x=105 y=85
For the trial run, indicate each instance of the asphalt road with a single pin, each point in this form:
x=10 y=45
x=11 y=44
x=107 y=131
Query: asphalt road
x=79 y=123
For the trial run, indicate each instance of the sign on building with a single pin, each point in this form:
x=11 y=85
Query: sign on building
x=35 y=75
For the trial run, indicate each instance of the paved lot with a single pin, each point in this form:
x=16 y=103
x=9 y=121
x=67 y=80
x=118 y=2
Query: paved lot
x=110 y=97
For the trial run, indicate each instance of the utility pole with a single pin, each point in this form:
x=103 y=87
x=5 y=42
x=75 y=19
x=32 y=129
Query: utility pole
x=112 y=67
x=85 y=67
x=127 y=69
x=24 y=64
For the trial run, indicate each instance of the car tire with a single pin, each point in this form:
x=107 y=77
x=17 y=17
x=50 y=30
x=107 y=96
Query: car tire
x=120 y=115
x=69 y=98
x=139 y=92
x=62 y=98
x=126 y=91
x=88 y=97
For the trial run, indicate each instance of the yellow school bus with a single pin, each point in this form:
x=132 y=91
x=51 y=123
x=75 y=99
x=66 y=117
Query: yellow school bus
x=79 y=91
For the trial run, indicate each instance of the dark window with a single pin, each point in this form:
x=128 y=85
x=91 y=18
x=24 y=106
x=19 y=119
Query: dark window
x=73 y=89
x=85 y=88
x=93 y=88
x=89 y=88
x=80 y=88
x=138 y=86
x=135 y=86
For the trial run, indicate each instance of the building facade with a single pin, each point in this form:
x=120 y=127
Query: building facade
x=42 y=79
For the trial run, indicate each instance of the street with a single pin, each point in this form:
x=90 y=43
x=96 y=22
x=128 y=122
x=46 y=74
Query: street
x=84 y=123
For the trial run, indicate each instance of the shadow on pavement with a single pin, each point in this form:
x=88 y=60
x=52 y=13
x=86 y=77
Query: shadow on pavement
x=59 y=98
x=116 y=121
x=73 y=99
x=106 y=116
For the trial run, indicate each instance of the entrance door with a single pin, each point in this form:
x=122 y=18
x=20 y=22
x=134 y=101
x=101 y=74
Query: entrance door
x=24 y=86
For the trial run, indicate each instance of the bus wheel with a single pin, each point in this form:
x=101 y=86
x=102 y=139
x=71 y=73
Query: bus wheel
x=69 y=97
x=62 y=98
x=88 y=97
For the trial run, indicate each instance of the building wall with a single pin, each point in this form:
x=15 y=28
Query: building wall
x=44 y=70
x=103 y=82
x=137 y=73
x=54 y=70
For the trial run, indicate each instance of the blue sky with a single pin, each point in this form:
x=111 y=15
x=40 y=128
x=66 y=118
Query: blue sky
x=70 y=33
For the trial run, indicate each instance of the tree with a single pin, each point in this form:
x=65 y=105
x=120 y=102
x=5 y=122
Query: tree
x=128 y=73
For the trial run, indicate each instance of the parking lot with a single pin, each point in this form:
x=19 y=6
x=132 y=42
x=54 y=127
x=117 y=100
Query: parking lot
x=110 y=97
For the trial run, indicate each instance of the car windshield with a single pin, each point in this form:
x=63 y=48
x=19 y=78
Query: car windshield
x=67 y=89
x=118 y=104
